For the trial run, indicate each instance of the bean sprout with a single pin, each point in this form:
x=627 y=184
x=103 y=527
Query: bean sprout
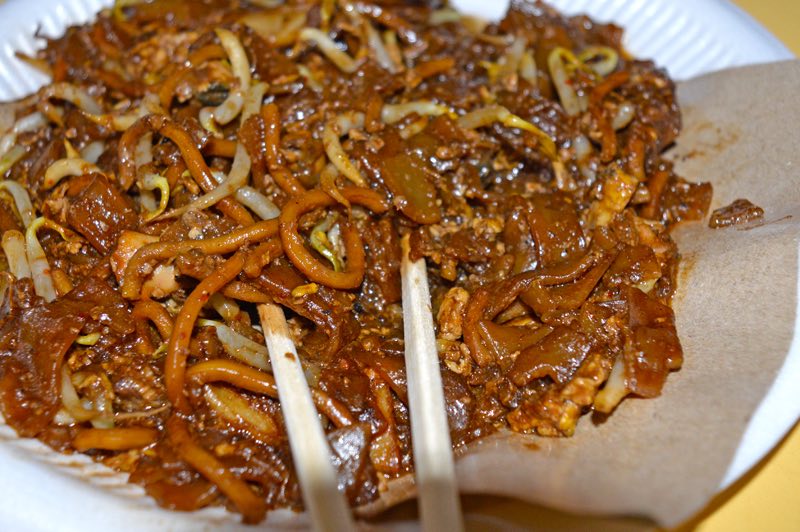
x=381 y=54
x=10 y=158
x=21 y=200
x=14 y=248
x=40 y=268
x=239 y=173
x=335 y=129
x=624 y=115
x=495 y=113
x=242 y=348
x=556 y=62
x=71 y=401
x=152 y=182
x=225 y=307
x=66 y=168
x=392 y=113
x=25 y=124
x=257 y=202
x=70 y=93
x=329 y=48
x=602 y=60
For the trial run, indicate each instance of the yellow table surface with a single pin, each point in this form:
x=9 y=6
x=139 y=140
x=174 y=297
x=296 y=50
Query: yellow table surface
x=768 y=498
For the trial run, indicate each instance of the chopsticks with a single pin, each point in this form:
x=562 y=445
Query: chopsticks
x=440 y=507
x=310 y=450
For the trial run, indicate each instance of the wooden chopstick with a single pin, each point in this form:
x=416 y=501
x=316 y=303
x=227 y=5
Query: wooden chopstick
x=310 y=450
x=440 y=507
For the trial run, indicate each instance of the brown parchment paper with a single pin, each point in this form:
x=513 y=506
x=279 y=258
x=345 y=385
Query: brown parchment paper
x=665 y=458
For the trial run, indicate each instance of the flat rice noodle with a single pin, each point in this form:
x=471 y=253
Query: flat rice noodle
x=468 y=245
x=251 y=135
x=42 y=159
x=505 y=340
x=556 y=228
x=100 y=212
x=385 y=454
x=31 y=353
x=346 y=383
x=459 y=403
x=653 y=348
x=415 y=195
x=33 y=342
x=406 y=174
x=326 y=308
x=681 y=200
x=103 y=304
x=548 y=301
x=487 y=341
x=518 y=238
x=388 y=363
x=350 y=448
x=635 y=265
x=383 y=261
x=558 y=356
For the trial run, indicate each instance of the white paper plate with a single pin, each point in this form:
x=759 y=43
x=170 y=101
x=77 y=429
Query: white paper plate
x=689 y=37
